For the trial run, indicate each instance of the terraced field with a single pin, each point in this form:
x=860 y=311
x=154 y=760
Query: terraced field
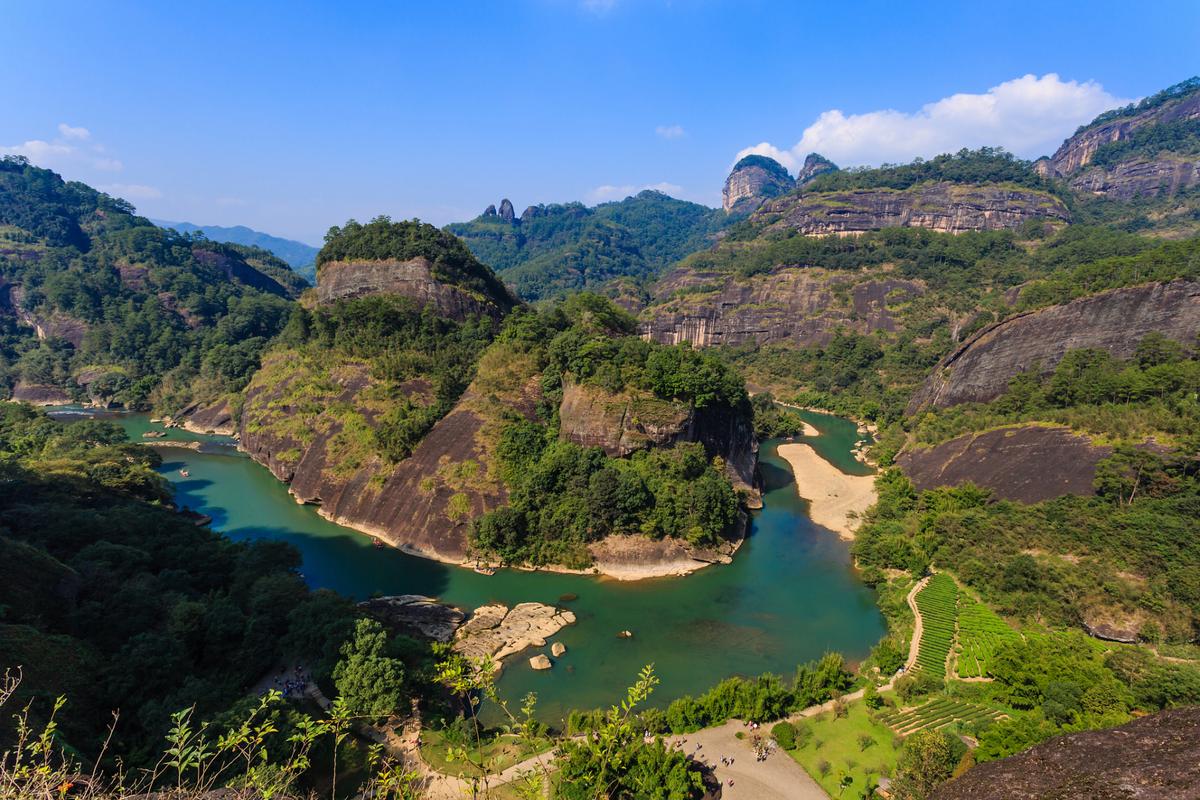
x=938 y=604
x=937 y=714
x=980 y=632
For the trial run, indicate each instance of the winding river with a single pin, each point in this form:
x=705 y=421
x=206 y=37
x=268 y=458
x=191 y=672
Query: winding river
x=789 y=595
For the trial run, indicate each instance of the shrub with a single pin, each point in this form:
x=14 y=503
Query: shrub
x=785 y=734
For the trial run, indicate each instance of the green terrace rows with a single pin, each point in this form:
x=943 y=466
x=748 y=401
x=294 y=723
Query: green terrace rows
x=938 y=604
x=936 y=714
x=980 y=632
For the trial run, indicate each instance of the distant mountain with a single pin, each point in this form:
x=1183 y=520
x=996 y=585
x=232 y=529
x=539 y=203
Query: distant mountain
x=300 y=257
x=554 y=249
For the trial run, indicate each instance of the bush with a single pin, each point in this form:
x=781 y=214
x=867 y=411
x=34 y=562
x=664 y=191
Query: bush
x=785 y=734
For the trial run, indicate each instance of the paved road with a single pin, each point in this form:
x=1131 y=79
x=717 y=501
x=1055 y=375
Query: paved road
x=777 y=778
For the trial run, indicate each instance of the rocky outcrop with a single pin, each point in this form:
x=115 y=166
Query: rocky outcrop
x=1141 y=177
x=496 y=631
x=979 y=370
x=1077 y=151
x=754 y=179
x=1153 y=758
x=46 y=323
x=797 y=305
x=621 y=424
x=1028 y=463
x=506 y=210
x=39 y=394
x=215 y=417
x=944 y=207
x=814 y=164
x=414 y=614
x=413 y=278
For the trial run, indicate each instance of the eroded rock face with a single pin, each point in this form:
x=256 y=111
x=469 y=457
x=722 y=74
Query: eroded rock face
x=416 y=614
x=506 y=210
x=1153 y=758
x=497 y=632
x=943 y=207
x=1077 y=151
x=979 y=370
x=753 y=180
x=1028 y=463
x=214 y=417
x=621 y=424
x=414 y=279
x=814 y=164
x=790 y=304
x=1140 y=177
x=39 y=394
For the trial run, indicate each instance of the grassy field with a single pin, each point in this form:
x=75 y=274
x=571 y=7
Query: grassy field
x=980 y=632
x=938 y=603
x=852 y=746
x=499 y=753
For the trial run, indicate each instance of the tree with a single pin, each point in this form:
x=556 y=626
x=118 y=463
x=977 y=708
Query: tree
x=929 y=759
x=367 y=680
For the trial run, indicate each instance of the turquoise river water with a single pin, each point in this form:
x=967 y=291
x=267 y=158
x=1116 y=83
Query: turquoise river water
x=789 y=595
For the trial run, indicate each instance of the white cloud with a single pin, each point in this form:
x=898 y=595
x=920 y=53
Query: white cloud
x=131 y=191
x=608 y=192
x=670 y=131
x=1028 y=116
x=69 y=132
x=71 y=151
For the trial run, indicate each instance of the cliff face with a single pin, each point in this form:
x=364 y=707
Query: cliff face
x=944 y=207
x=979 y=369
x=621 y=424
x=1150 y=171
x=753 y=180
x=423 y=504
x=413 y=278
x=791 y=304
x=1077 y=151
x=1152 y=758
x=1029 y=464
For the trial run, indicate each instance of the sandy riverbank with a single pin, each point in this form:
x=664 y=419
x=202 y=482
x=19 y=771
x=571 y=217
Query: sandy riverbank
x=832 y=494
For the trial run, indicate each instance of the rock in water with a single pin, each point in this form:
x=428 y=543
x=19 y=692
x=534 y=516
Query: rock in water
x=540 y=662
x=495 y=631
x=557 y=649
x=414 y=613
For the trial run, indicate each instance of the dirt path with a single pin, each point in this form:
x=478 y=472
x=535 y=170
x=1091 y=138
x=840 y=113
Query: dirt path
x=914 y=647
x=779 y=777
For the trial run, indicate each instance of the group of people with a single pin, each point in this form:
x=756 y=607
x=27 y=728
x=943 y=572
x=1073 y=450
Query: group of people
x=762 y=747
x=292 y=683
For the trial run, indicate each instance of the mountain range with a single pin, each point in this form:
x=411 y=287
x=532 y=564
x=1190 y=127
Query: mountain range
x=300 y=257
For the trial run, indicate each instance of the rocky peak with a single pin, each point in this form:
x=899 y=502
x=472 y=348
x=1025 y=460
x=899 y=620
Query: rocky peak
x=814 y=164
x=490 y=211
x=506 y=210
x=533 y=211
x=753 y=180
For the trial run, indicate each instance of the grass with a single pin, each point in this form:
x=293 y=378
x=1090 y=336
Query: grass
x=938 y=603
x=937 y=713
x=499 y=753
x=836 y=741
x=980 y=632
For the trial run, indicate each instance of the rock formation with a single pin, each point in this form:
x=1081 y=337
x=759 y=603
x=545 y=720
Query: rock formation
x=1153 y=170
x=506 y=210
x=814 y=164
x=415 y=614
x=979 y=370
x=540 y=662
x=1153 y=758
x=944 y=207
x=497 y=632
x=558 y=649
x=413 y=278
x=1028 y=463
x=753 y=180
x=798 y=305
x=621 y=424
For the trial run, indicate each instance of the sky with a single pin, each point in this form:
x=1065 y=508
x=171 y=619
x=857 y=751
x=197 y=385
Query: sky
x=292 y=117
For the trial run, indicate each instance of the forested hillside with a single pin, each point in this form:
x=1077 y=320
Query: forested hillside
x=99 y=304
x=551 y=250
x=299 y=256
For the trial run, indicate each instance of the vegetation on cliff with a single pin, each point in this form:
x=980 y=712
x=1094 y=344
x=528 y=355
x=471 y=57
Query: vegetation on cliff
x=985 y=165
x=384 y=240
x=552 y=250
x=129 y=312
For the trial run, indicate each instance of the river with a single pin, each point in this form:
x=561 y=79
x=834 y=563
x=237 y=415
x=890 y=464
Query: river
x=789 y=595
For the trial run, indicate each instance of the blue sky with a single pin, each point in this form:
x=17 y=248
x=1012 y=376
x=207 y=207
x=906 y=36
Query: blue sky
x=290 y=117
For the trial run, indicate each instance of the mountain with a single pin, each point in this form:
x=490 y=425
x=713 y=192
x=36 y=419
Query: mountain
x=299 y=256
x=554 y=249
x=98 y=304
x=752 y=180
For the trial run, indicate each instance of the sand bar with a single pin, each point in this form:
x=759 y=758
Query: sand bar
x=832 y=494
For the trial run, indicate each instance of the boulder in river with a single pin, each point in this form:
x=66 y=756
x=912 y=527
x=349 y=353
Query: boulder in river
x=557 y=649
x=540 y=662
x=497 y=631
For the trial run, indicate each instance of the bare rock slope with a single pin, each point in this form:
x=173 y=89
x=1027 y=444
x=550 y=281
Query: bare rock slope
x=979 y=370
